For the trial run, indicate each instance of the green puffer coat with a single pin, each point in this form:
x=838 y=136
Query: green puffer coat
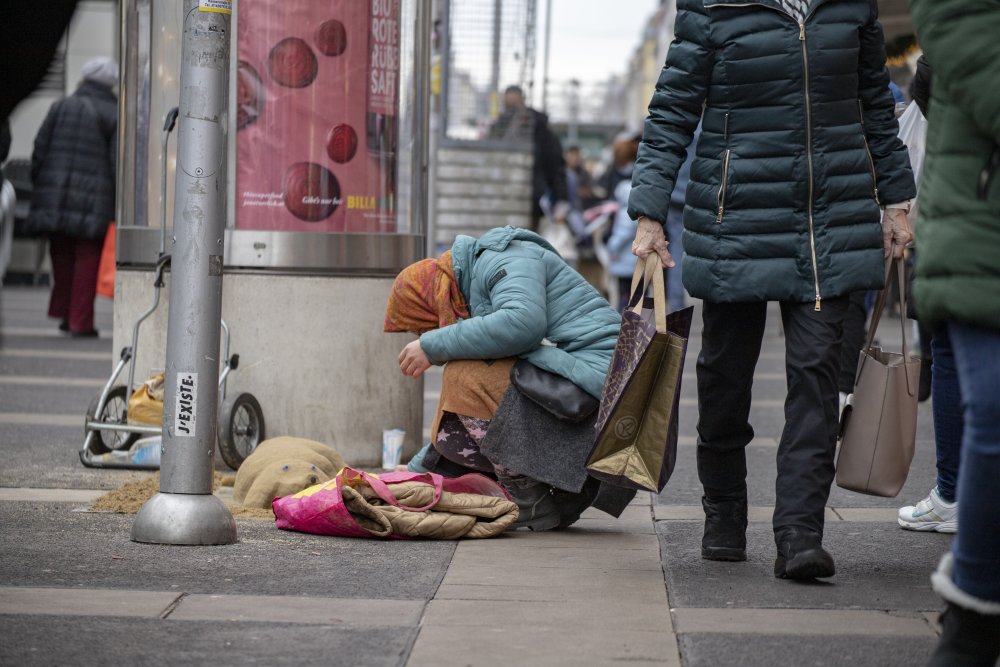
x=526 y=301
x=958 y=228
x=798 y=148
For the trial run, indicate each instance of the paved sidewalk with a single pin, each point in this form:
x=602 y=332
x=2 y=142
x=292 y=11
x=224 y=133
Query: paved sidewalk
x=75 y=591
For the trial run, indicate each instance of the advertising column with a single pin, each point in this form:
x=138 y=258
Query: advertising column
x=317 y=117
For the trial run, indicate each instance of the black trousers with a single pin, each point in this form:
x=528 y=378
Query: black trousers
x=854 y=340
x=731 y=341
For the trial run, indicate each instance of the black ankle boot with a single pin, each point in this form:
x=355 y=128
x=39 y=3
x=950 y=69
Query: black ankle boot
x=968 y=639
x=725 y=535
x=801 y=555
x=572 y=505
x=970 y=626
x=536 y=505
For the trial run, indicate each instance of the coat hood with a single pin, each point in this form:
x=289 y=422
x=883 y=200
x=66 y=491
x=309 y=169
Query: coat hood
x=466 y=248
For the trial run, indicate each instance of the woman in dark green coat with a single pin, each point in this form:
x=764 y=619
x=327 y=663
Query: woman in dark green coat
x=797 y=154
x=957 y=289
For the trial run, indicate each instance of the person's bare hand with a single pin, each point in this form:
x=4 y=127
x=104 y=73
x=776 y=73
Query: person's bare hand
x=896 y=232
x=649 y=238
x=412 y=360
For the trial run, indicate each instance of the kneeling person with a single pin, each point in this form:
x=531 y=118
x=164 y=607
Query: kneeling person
x=478 y=307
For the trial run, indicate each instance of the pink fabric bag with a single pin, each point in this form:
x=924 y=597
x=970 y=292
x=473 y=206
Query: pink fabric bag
x=321 y=509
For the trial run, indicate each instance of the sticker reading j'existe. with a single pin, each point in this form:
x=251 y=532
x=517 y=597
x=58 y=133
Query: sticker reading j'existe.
x=186 y=405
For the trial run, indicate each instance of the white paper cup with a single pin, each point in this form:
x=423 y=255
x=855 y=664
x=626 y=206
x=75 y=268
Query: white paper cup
x=392 y=447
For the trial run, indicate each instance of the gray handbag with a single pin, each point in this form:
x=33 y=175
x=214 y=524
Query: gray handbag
x=878 y=427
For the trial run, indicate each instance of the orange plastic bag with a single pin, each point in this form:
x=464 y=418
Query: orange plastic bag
x=106 y=267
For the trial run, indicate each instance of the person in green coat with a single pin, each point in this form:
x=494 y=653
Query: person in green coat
x=477 y=308
x=798 y=153
x=957 y=288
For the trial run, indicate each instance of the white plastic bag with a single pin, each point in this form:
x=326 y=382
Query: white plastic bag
x=913 y=133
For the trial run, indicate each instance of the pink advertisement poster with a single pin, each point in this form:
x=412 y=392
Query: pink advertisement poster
x=317 y=115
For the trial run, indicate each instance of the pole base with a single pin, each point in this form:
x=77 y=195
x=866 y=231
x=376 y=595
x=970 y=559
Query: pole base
x=184 y=519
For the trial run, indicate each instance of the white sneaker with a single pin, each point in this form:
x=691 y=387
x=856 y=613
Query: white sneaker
x=930 y=514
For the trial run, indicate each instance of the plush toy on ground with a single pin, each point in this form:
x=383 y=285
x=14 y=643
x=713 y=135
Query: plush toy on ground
x=283 y=466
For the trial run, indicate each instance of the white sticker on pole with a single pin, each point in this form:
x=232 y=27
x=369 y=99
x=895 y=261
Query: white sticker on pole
x=186 y=405
x=220 y=6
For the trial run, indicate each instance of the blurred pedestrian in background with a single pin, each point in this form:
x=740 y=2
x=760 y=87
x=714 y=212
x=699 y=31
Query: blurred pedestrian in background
x=621 y=264
x=623 y=151
x=73 y=198
x=520 y=123
x=798 y=151
x=958 y=288
x=675 y=227
x=938 y=512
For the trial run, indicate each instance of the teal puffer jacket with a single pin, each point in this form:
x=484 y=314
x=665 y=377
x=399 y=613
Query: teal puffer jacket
x=958 y=229
x=526 y=301
x=798 y=149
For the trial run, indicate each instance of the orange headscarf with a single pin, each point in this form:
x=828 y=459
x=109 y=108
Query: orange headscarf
x=425 y=296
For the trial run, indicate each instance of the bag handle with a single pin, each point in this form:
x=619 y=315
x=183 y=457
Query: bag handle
x=652 y=271
x=381 y=489
x=890 y=263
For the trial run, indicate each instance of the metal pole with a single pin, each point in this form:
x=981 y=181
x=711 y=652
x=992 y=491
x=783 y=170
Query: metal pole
x=545 y=66
x=495 y=73
x=185 y=511
x=421 y=119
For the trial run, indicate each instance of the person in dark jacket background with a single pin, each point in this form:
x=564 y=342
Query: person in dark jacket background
x=73 y=198
x=797 y=153
x=521 y=123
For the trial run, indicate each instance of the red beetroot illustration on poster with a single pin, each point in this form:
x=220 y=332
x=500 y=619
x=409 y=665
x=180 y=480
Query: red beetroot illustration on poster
x=317 y=115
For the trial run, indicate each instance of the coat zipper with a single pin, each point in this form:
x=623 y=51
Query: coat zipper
x=805 y=64
x=721 y=196
x=809 y=156
x=868 y=150
x=986 y=175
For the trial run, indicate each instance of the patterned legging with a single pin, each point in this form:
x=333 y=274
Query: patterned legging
x=459 y=438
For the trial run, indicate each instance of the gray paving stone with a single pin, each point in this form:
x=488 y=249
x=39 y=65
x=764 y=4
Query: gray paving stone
x=72 y=400
x=697 y=513
x=84 y=368
x=884 y=515
x=801 y=622
x=638 y=589
x=489 y=577
x=437 y=646
x=48 y=495
x=41 y=418
x=567 y=558
x=298 y=609
x=878 y=567
x=31 y=641
x=514 y=542
x=717 y=650
x=46 y=544
x=22 y=601
x=602 y=616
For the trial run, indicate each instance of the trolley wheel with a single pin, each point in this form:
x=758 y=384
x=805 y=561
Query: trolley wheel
x=114 y=412
x=241 y=428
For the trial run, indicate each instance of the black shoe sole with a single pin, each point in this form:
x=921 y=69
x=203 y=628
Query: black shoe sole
x=539 y=523
x=810 y=564
x=729 y=554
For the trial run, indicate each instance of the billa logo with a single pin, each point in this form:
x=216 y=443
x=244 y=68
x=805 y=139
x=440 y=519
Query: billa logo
x=625 y=427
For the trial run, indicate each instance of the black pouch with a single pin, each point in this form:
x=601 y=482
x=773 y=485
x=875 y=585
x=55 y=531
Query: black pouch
x=559 y=396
